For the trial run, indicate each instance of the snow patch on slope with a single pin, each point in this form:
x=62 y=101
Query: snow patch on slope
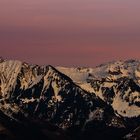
x=123 y=108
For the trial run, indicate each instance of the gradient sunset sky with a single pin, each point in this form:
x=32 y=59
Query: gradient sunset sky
x=70 y=32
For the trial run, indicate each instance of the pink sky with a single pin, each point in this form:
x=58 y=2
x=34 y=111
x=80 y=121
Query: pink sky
x=69 y=32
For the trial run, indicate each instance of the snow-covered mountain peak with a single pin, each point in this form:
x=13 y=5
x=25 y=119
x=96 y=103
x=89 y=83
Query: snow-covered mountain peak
x=112 y=70
x=116 y=82
x=46 y=93
x=79 y=100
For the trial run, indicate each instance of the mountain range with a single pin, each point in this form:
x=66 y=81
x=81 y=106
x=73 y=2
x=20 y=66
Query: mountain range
x=49 y=103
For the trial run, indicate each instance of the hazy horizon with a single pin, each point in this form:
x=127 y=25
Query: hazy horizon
x=69 y=32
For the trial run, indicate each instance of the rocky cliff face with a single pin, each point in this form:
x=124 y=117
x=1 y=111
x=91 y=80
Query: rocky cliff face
x=85 y=103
